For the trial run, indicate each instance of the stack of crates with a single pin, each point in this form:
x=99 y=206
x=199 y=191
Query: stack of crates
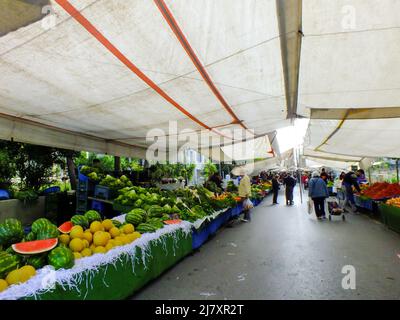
x=82 y=193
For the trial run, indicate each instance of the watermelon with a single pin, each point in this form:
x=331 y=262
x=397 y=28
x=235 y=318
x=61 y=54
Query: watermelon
x=61 y=257
x=8 y=262
x=80 y=220
x=11 y=231
x=37 y=261
x=136 y=216
x=30 y=236
x=146 y=227
x=116 y=223
x=35 y=247
x=92 y=215
x=155 y=222
x=155 y=211
x=40 y=224
x=66 y=227
x=48 y=232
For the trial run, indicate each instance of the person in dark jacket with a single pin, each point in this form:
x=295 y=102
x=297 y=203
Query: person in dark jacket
x=217 y=179
x=350 y=179
x=318 y=192
x=289 y=183
x=275 y=189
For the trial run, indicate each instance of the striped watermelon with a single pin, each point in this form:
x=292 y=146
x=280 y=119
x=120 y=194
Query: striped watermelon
x=8 y=262
x=30 y=236
x=61 y=257
x=37 y=261
x=92 y=215
x=39 y=224
x=80 y=220
x=116 y=223
x=48 y=232
x=155 y=211
x=136 y=216
x=11 y=231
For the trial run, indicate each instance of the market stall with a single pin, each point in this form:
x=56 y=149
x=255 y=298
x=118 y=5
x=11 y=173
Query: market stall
x=116 y=275
x=91 y=257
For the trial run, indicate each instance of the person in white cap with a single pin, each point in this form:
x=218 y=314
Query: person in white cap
x=245 y=193
x=318 y=192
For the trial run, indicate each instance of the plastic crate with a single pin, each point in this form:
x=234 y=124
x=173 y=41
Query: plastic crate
x=102 y=192
x=82 y=177
x=4 y=195
x=121 y=208
x=27 y=230
x=98 y=206
x=52 y=190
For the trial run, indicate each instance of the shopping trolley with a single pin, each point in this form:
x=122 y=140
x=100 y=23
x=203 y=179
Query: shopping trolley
x=335 y=207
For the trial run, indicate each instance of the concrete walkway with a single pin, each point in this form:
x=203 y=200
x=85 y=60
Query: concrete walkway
x=284 y=253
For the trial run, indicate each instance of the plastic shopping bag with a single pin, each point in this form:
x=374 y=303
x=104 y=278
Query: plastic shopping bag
x=247 y=204
x=310 y=206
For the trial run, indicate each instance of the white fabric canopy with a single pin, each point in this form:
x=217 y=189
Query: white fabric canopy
x=131 y=74
x=318 y=162
x=255 y=168
x=350 y=54
x=329 y=156
x=100 y=75
x=246 y=150
x=361 y=138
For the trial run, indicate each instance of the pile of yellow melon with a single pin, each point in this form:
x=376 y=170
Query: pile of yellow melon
x=99 y=238
x=16 y=276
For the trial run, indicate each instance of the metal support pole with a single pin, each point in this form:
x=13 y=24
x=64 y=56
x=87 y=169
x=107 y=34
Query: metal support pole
x=397 y=170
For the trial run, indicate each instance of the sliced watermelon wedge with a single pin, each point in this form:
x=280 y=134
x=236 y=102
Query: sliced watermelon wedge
x=176 y=221
x=66 y=227
x=35 y=247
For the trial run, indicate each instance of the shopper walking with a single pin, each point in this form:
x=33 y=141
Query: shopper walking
x=289 y=183
x=318 y=192
x=275 y=189
x=245 y=193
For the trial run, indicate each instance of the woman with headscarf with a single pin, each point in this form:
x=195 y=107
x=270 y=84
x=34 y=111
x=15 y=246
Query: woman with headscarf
x=318 y=192
x=245 y=193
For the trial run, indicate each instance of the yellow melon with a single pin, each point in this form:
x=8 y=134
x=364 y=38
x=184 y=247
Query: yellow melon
x=77 y=255
x=15 y=277
x=64 y=239
x=87 y=235
x=100 y=249
x=76 y=232
x=86 y=252
x=3 y=285
x=76 y=245
x=96 y=226
x=114 y=232
x=107 y=224
x=128 y=228
x=109 y=246
x=85 y=243
x=27 y=272
x=100 y=238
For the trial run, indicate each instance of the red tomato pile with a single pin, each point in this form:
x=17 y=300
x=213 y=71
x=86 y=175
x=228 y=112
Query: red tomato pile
x=381 y=190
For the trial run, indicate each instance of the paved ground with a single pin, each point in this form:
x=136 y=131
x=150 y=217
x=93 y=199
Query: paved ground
x=284 y=253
